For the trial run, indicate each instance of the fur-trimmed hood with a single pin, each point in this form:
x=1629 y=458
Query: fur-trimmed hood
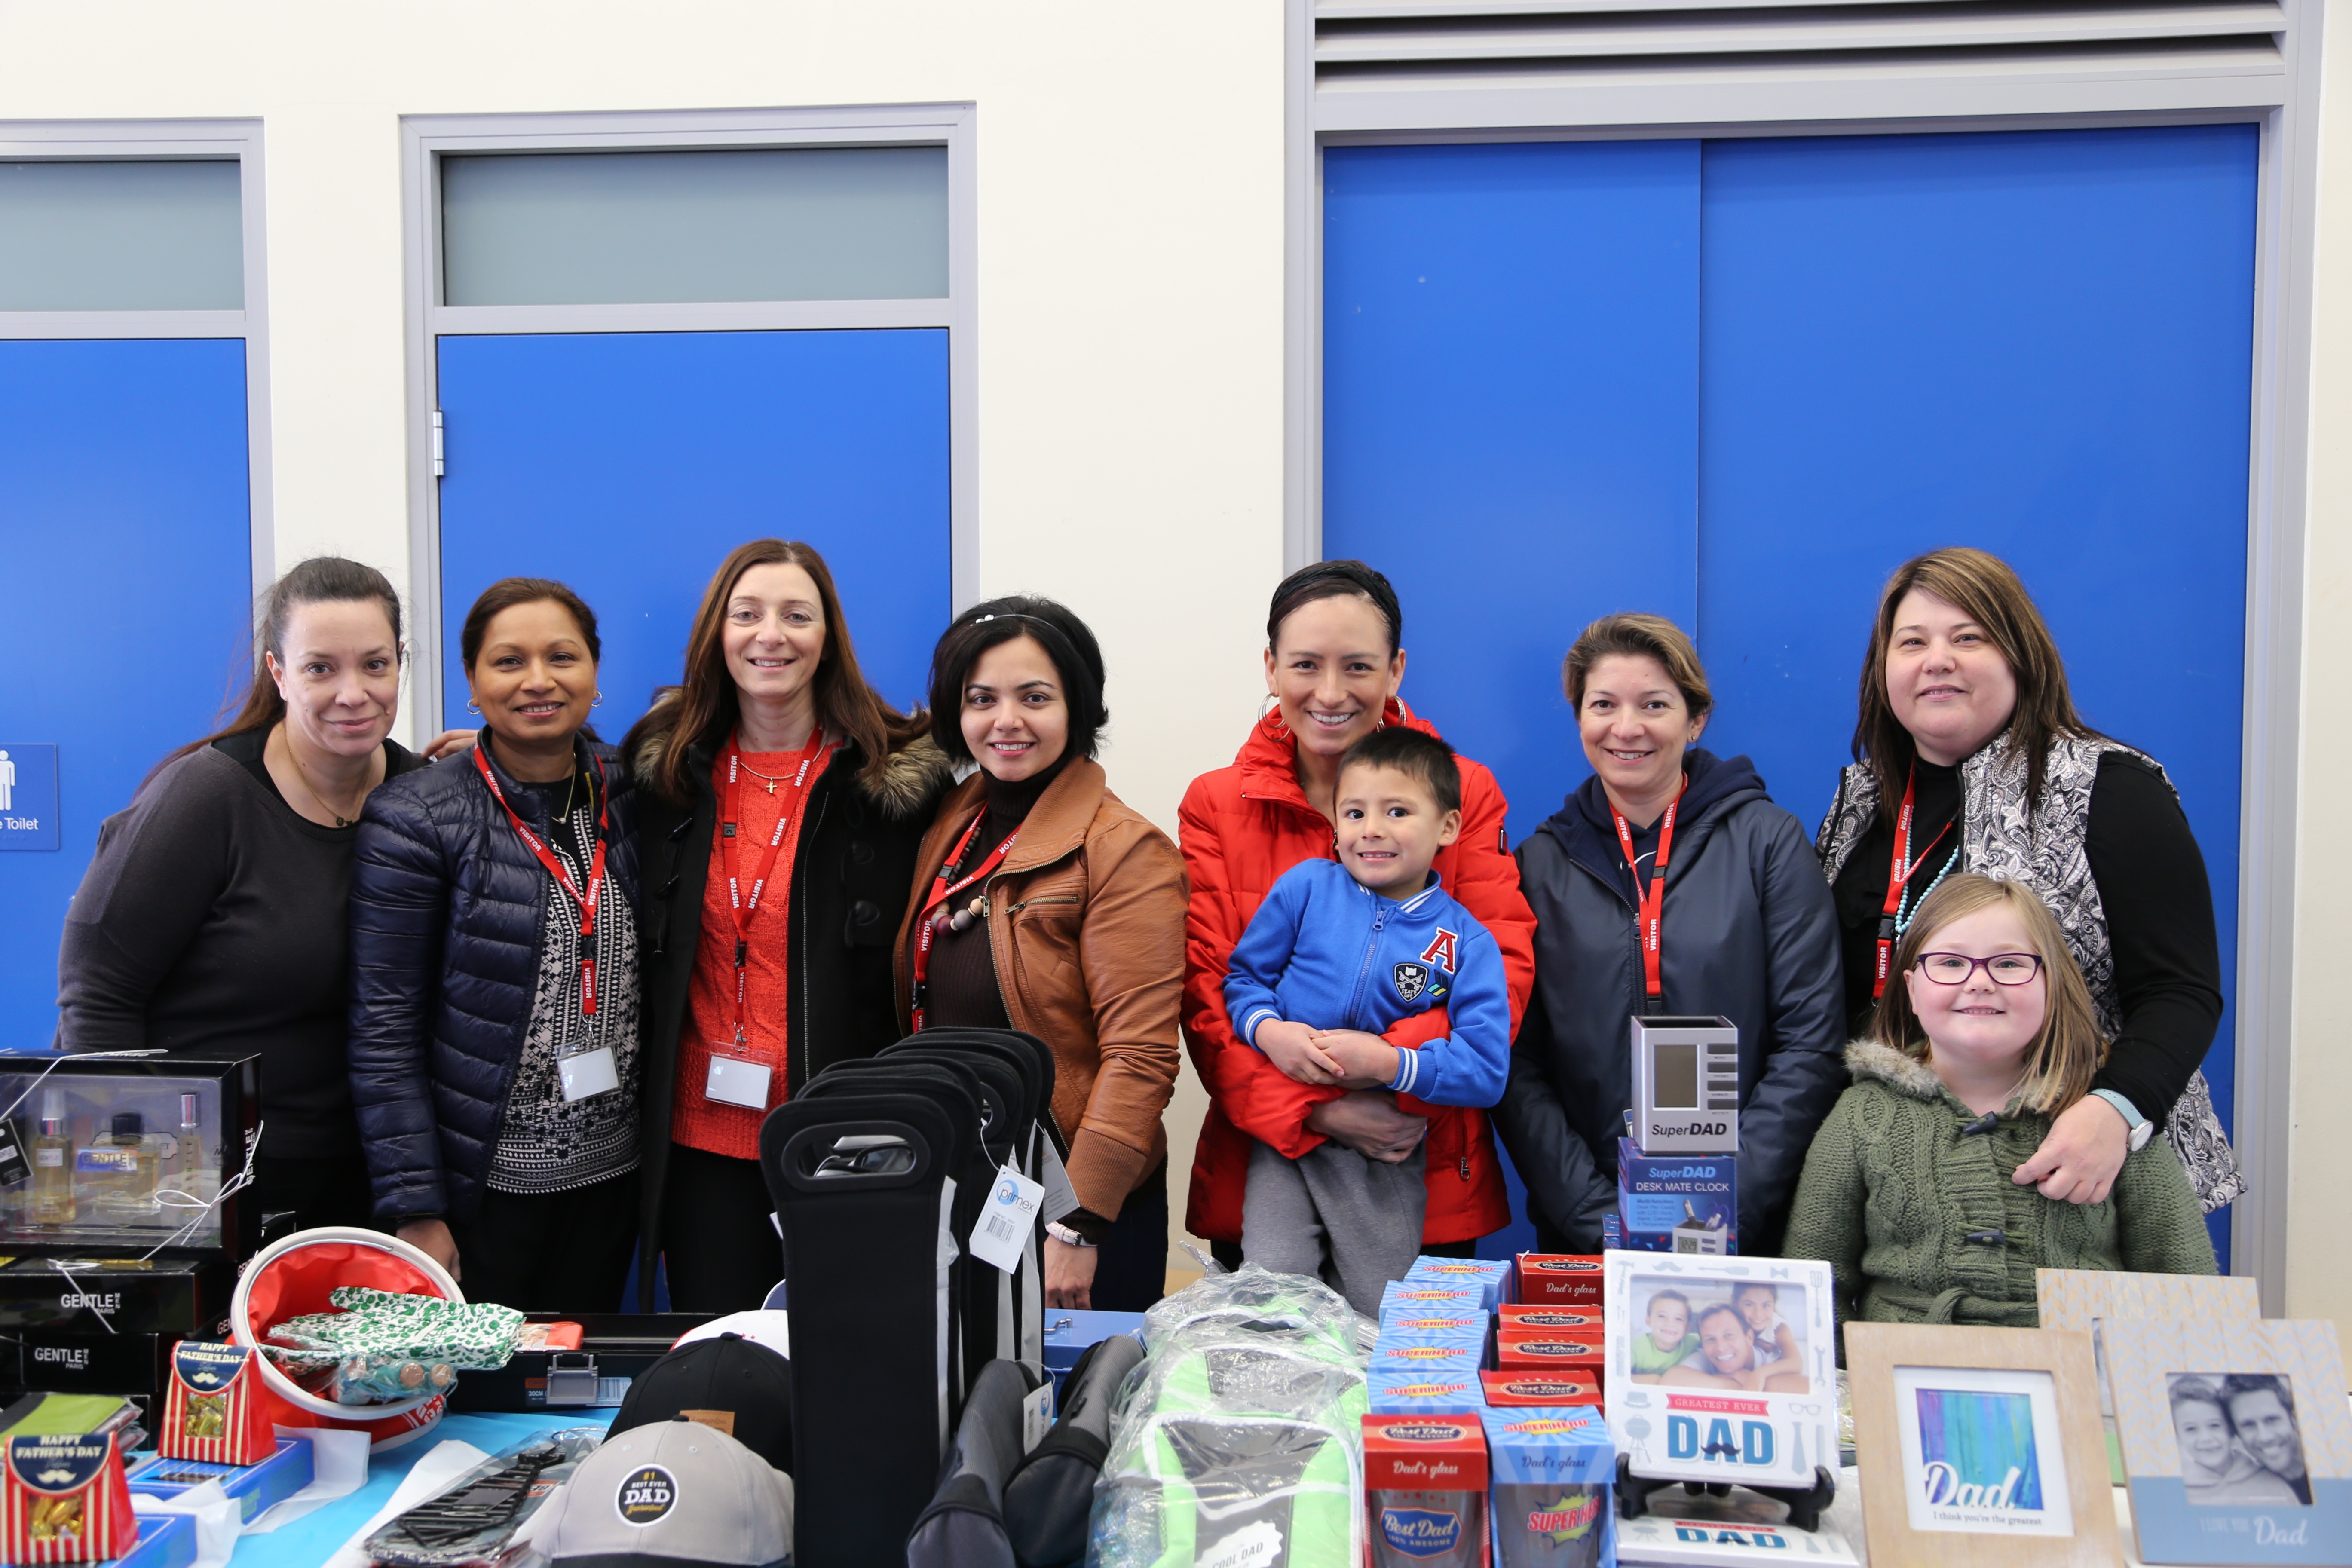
x=906 y=788
x=1906 y=1074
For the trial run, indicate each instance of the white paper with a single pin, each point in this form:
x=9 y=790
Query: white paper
x=1007 y=1219
x=338 y=1466
x=434 y=1474
x=215 y=1515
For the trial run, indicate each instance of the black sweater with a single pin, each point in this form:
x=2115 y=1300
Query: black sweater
x=2160 y=909
x=214 y=918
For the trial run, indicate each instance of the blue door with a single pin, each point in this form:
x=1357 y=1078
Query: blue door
x=2039 y=343
x=627 y=464
x=125 y=602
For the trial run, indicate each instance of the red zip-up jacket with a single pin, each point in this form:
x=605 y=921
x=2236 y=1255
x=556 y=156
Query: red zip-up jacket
x=1243 y=826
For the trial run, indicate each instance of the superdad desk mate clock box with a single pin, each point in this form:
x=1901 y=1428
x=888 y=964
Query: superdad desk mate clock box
x=1676 y=1202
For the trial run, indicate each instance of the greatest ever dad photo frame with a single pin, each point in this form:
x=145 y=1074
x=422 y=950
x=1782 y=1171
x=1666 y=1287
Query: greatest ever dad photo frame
x=1721 y=1368
x=2237 y=1442
x=1982 y=1447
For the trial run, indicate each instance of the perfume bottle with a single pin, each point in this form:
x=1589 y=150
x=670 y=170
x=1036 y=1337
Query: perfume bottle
x=51 y=1199
x=118 y=1173
x=188 y=1152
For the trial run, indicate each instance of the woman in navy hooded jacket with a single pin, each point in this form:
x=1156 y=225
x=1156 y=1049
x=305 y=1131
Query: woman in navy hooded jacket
x=494 y=969
x=1743 y=930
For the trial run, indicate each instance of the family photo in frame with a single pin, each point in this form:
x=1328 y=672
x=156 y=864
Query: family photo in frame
x=1721 y=1368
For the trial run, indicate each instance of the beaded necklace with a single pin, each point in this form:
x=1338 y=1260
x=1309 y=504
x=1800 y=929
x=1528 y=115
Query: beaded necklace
x=1906 y=909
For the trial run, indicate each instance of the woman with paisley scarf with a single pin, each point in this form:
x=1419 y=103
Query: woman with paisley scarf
x=1970 y=757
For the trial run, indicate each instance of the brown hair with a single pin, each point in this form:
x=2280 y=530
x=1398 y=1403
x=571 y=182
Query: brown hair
x=1334 y=580
x=2063 y=1057
x=702 y=708
x=321 y=580
x=1638 y=636
x=506 y=594
x=1983 y=587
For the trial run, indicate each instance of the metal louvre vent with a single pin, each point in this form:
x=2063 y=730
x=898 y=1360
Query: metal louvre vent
x=1403 y=63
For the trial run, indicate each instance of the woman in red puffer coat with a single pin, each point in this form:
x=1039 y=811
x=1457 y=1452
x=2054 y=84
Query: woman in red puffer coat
x=1333 y=664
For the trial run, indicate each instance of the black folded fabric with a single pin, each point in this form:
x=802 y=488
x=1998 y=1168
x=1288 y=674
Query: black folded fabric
x=1047 y=1499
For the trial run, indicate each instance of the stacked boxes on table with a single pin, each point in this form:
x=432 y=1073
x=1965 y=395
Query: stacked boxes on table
x=1502 y=1488
x=119 y=1237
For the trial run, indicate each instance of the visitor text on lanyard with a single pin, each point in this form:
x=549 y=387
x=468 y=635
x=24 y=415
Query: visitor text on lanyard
x=547 y=858
x=925 y=925
x=1898 y=872
x=1648 y=904
x=743 y=1081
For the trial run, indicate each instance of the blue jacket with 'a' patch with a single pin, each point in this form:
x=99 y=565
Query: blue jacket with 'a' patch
x=1324 y=952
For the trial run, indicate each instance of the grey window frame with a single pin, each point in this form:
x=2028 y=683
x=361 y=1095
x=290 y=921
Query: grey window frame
x=121 y=141
x=426 y=138
x=2285 y=104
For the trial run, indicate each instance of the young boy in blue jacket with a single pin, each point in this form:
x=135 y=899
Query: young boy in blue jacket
x=1340 y=951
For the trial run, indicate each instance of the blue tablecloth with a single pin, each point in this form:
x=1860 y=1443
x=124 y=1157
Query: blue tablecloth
x=311 y=1539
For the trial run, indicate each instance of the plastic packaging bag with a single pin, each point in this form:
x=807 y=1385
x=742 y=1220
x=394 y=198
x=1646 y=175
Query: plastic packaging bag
x=1238 y=1438
x=475 y=1522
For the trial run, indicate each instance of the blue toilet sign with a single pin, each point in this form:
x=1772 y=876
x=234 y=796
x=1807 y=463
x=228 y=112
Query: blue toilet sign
x=28 y=796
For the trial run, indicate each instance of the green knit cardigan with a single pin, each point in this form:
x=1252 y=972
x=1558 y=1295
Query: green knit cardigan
x=1921 y=1223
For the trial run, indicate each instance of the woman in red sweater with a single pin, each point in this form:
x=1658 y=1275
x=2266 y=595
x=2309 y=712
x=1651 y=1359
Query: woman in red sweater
x=1333 y=664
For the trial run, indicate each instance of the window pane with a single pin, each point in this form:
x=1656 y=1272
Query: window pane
x=150 y=236
x=604 y=228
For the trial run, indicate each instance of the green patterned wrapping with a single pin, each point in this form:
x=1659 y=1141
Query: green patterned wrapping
x=388 y=1331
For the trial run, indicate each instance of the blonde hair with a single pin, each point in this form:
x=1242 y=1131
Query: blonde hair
x=1638 y=636
x=1987 y=590
x=2067 y=1051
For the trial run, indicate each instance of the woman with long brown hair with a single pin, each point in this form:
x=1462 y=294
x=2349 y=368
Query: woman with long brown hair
x=1970 y=757
x=825 y=791
x=213 y=915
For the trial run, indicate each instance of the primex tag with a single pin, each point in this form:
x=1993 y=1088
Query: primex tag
x=588 y=1073
x=1009 y=1220
x=734 y=1080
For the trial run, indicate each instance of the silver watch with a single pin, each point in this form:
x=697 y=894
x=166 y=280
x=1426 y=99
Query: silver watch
x=2138 y=1128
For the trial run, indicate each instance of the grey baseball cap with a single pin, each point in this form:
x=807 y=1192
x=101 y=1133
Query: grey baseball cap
x=674 y=1494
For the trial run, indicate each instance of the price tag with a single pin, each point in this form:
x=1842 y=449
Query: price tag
x=1037 y=1416
x=1008 y=1219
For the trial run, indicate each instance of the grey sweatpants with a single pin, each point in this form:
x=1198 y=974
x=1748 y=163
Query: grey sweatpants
x=1335 y=1215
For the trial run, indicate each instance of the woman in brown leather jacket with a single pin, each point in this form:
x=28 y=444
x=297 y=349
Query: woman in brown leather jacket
x=1042 y=903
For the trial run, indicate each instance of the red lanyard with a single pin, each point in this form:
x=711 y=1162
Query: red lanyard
x=1898 y=871
x=940 y=893
x=1651 y=903
x=741 y=903
x=547 y=858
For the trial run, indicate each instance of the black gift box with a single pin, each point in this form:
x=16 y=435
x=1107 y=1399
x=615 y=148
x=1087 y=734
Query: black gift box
x=88 y=1296
x=93 y=1364
x=90 y=1092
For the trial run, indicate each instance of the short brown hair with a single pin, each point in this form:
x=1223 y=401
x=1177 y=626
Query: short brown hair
x=2066 y=1054
x=1638 y=636
x=1983 y=587
x=1418 y=756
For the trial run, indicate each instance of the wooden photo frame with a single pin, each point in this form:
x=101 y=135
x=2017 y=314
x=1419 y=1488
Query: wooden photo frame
x=1980 y=1447
x=2237 y=1445
x=2087 y=1299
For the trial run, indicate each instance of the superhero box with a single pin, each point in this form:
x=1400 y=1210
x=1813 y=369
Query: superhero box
x=1572 y=1319
x=1488 y=1276
x=1425 y=1393
x=1465 y=1358
x=1513 y=1390
x=1424 y=1296
x=1425 y=1491
x=1548 y=1350
x=1558 y=1279
x=63 y=1500
x=1407 y=1325
x=1676 y=1202
x=1553 y=1473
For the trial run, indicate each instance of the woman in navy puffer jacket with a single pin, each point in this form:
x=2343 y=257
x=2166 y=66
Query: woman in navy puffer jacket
x=494 y=1022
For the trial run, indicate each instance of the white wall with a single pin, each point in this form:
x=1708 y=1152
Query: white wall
x=1131 y=270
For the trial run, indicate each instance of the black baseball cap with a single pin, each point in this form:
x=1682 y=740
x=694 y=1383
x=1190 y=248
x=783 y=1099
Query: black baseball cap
x=737 y=1385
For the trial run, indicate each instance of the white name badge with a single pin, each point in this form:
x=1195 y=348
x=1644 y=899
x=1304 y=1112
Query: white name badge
x=588 y=1074
x=736 y=1081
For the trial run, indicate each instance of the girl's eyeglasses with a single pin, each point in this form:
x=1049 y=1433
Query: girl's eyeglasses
x=1959 y=968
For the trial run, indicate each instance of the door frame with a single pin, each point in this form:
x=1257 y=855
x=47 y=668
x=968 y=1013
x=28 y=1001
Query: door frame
x=426 y=137
x=125 y=141
x=2285 y=108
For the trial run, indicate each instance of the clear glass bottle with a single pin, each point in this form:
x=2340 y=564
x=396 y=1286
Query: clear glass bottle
x=51 y=1198
x=188 y=1156
x=118 y=1171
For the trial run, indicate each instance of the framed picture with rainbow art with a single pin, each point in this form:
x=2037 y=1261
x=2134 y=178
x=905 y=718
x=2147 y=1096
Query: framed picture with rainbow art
x=2237 y=1442
x=1982 y=1448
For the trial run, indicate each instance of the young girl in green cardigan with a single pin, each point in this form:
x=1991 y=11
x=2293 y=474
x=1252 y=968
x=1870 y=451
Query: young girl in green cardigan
x=1987 y=1036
